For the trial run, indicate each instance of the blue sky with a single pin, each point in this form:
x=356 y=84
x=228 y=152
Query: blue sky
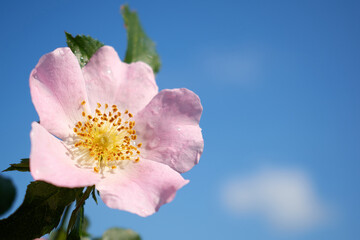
x=279 y=83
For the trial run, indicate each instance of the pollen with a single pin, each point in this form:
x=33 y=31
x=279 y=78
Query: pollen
x=108 y=140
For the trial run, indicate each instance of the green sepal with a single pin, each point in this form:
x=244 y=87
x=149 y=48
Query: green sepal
x=83 y=47
x=139 y=46
x=23 y=166
x=93 y=194
x=40 y=211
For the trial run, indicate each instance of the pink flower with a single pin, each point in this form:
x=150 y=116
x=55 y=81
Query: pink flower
x=107 y=125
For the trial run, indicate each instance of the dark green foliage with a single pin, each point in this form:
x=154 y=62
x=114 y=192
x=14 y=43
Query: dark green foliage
x=7 y=193
x=39 y=213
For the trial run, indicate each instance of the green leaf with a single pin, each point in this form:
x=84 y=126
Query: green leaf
x=120 y=234
x=139 y=47
x=7 y=193
x=83 y=47
x=39 y=213
x=23 y=166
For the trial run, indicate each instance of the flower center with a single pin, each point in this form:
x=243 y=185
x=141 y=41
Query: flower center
x=106 y=139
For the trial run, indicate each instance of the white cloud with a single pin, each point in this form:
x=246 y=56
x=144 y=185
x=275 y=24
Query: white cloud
x=285 y=198
x=233 y=66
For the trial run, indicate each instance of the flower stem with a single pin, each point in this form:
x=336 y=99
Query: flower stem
x=61 y=226
x=79 y=203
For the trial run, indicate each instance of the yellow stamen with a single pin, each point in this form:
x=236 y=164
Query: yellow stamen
x=107 y=140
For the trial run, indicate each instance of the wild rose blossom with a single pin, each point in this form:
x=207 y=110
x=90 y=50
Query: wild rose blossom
x=107 y=125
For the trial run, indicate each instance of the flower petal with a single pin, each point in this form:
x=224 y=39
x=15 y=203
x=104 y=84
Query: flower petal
x=51 y=162
x=140 y=188
x=108 y=80
x=57 y=89
x=169 y=129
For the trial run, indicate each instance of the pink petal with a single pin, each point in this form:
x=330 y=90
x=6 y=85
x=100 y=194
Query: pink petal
x=169 y=129
x=108 y=80
x=57 y=89
x=50 y=161
x=140 y=188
